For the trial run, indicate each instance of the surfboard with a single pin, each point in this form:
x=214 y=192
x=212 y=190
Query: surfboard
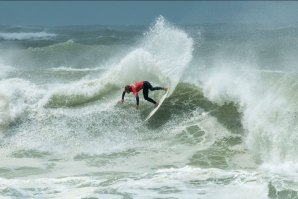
x=160 y=103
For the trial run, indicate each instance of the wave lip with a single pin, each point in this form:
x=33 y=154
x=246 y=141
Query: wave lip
x=26 y=36
x=161 y=57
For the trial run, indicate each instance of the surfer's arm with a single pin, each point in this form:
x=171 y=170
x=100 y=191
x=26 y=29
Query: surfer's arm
x=137 y=99
x=137 y=96
x=123 y=94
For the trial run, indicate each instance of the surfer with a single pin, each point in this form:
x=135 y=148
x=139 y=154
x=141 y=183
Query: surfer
x=136 y=87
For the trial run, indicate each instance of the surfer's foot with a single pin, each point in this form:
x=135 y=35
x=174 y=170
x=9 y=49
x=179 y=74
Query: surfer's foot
x=165 y=89
x=156 y=105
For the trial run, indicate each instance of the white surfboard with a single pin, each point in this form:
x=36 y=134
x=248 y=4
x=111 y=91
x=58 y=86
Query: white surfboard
x=160 y=103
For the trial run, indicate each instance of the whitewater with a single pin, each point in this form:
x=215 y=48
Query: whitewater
x=227 y=130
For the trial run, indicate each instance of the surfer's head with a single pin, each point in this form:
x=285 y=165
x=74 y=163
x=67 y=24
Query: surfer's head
x=127 y=89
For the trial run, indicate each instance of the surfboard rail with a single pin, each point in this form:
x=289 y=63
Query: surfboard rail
x=160 y=103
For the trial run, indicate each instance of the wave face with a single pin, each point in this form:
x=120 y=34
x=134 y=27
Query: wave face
x=228 y=129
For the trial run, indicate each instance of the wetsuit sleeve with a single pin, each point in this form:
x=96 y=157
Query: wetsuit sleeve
x=137 y=98
x=123 y=94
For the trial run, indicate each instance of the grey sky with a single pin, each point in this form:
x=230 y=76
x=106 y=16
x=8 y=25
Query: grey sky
x=144 y=12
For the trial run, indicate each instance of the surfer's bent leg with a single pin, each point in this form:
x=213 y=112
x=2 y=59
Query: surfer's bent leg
x=145 y=92
x=146 y=83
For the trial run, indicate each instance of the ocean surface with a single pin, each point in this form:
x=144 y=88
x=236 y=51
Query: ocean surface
x=228 y=130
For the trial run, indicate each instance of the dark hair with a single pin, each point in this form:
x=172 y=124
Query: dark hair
x=127 y=88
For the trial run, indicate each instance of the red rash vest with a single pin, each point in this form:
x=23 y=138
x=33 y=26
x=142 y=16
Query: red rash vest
x=136 y=87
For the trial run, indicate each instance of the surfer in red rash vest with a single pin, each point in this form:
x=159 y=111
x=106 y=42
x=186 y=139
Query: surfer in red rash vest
x=136 y=87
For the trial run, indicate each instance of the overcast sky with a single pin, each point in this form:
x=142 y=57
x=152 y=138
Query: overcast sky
x=144 y=12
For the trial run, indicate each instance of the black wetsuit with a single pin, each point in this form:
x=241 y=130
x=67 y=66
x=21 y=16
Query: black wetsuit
x=148 y=86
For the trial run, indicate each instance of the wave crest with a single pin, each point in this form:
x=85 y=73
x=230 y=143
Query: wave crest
x=26 y=36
